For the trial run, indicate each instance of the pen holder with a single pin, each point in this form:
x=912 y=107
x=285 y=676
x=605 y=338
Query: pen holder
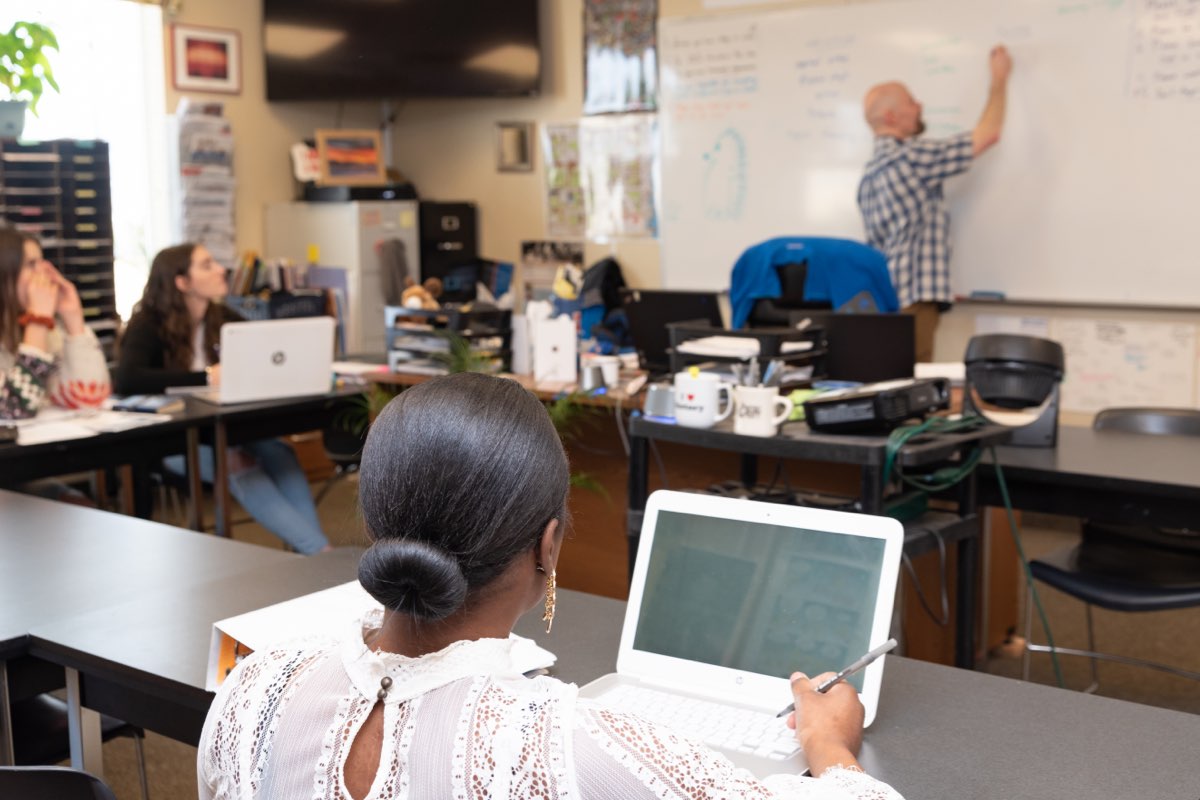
x=759 y=410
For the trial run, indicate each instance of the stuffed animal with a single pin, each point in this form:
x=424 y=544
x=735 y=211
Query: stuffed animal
x=423 y=296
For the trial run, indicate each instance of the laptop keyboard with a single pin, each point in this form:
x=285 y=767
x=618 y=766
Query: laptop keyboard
x=719 y=726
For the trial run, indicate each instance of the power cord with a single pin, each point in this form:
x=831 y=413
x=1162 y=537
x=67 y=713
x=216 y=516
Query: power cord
x=944 y=619
x=619 y=419
x=947 y=477
x=662 y=470
x=1037 y=599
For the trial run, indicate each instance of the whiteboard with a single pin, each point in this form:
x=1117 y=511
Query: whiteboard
x=1092 y=194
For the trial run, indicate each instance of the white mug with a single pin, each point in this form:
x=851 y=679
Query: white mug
x=755 y=413
x=698 y=400
x=610 y=367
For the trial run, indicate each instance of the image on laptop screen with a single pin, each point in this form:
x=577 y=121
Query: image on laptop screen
x=758 y=597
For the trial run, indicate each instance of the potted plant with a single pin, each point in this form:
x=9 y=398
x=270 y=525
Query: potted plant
x=25 y=72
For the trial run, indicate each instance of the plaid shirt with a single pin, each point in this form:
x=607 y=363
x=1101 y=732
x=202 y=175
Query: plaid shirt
x=905 y=213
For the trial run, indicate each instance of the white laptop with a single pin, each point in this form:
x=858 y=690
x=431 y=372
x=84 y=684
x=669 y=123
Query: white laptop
x=729 y=597
x=274 y=359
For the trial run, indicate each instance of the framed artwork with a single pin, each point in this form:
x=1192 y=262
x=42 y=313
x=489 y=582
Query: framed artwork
x=350 y=158
x=514 y=146
x=206 y=59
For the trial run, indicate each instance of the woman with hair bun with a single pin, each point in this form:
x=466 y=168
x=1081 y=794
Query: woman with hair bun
x=463 y=490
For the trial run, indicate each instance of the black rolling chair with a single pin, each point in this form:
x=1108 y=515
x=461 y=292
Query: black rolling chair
x=40 y=736
x=1131 y=568
x=51 y=783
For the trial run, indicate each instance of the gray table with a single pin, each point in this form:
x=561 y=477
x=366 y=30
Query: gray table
x=940 y=732
x=58 y=561
x=222 y=426
x=1109 y=475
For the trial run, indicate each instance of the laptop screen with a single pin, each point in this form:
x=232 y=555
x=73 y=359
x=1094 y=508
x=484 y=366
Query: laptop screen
x=759 y=597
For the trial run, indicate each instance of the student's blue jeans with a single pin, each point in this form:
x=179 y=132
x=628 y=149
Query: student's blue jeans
x=274 y=491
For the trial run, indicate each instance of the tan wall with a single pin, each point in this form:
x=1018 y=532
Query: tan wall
x=263 y=132
x=448 y=148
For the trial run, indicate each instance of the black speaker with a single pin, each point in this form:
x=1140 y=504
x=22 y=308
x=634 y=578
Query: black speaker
x=450 y=247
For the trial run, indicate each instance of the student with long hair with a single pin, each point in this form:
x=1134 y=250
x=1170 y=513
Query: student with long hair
x=172 y=340
x=463 y=490
x=47 y=353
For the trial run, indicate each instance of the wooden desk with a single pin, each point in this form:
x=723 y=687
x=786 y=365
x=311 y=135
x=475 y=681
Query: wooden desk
x=796 y=441
x=547 y=391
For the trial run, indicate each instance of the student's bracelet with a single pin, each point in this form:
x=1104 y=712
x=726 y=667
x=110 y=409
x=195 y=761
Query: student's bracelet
x=28 y=319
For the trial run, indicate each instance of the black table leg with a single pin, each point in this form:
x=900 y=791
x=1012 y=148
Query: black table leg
x=637 y=490
x=964 y=624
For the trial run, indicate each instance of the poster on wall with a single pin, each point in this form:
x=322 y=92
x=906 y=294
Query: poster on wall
x=620 y=56
x=565 y=214
x=619 y=165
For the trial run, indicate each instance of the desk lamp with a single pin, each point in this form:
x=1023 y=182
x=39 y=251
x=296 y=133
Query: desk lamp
x=1015 y=374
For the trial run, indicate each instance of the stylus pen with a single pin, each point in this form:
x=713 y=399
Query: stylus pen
x=847 y=672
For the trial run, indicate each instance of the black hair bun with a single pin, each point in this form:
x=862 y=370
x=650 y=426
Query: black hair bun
x=413 y=577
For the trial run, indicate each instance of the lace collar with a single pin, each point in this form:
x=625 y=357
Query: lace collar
x=412 y=677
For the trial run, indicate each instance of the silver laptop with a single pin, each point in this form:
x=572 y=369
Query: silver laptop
x=274 y=359
x=729 y=597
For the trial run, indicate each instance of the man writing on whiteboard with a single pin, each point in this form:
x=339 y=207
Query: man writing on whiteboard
x=901 y=198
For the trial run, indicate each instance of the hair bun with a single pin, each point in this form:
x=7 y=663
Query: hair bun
x=413 y=577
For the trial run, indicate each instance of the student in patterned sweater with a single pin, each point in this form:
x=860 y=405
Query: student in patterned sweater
x=47 y=353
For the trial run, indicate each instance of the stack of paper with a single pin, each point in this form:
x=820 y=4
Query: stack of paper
x=328 y=614
x=60 y=424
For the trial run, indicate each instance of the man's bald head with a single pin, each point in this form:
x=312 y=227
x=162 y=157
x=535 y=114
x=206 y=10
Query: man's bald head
x=890 y=110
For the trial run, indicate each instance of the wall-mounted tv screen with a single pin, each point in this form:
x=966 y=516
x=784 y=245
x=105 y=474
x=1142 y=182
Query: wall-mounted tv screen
x=381 y=49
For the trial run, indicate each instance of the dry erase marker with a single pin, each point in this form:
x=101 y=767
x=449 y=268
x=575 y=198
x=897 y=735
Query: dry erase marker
x=847 y=672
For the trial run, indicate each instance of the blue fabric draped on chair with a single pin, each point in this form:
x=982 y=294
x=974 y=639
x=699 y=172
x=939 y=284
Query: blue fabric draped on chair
x=838 y=269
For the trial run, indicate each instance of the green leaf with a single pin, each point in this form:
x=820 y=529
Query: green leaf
x=21 y=49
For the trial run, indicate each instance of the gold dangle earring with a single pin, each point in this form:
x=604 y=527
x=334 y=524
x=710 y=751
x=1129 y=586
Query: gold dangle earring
x=551 y=587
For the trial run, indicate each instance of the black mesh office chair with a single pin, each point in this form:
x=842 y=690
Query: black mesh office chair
x=1131 y=568
x=51 y=783
x=40 y=736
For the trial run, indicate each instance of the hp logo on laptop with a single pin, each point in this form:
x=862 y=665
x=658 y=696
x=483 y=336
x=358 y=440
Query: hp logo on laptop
x=278 y=357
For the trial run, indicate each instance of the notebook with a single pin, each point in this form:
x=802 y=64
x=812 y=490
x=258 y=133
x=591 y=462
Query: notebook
x=274 y=359
x=729 y=597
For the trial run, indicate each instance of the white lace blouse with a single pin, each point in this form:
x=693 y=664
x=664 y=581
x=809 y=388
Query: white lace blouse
x=459 y=723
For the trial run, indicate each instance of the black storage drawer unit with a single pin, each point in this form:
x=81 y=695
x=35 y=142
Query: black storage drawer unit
x=59 y=192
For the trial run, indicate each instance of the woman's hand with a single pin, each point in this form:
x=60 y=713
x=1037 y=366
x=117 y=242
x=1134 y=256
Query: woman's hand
x=829 y=726
x=39 y=289
x=69 y=307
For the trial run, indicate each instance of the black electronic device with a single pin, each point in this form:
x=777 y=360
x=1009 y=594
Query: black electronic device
x=649 y=312
x=344 y=194
x=876 y=407
x=383 y=49
x=450 y=248
x=1016 y=373
x=8 y=433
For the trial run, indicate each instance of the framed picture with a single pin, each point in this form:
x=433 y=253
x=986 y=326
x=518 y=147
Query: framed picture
x=350 y=158
x=206 y=59
x=514 y=146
